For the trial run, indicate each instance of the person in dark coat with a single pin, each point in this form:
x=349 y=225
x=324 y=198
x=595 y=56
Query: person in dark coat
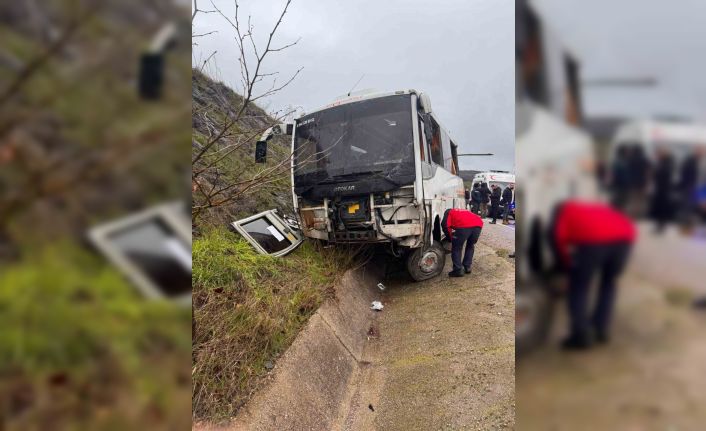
x=476 y=198
x=467 y=195
x=463 y=227
x=485 y=199
x=494 y=202
x=688 y=182
x=620 y=178
x=506 y=201
x=639 y=173
x=661 y=202
x=590 y=238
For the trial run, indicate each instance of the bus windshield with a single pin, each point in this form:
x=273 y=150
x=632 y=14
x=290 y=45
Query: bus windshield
x=370 y=137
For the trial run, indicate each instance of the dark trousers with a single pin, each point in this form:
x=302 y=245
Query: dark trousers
x=494 y=209
x=475 y=207
x=587 y=260
x=469 y=238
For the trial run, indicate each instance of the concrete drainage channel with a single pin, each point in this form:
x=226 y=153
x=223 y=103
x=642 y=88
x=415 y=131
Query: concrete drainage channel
x=440 y=355
x=314 y=381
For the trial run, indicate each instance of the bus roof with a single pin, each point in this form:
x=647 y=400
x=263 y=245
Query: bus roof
x=359 y=97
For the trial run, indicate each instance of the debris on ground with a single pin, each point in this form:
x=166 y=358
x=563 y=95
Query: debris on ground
x=381 y=286
x=376 y=305
x=269 y=365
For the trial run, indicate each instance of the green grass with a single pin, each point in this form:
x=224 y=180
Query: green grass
x=82 y=349
x=247 y=310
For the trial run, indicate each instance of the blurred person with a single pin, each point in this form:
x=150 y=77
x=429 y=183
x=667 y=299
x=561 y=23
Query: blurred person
x=620 y=178
x=476 y=198
x=463 y=227
x=688 y=182
x=495 y=197
x=661 y=203
x=467 y=196
x=590 y=238
x=507 y=199
x=639 y=176
x=485 y=199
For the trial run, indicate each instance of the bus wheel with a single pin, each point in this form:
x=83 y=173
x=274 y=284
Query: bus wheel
x=424 y=264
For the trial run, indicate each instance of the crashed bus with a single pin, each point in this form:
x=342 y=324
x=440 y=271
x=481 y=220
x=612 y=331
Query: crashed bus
x=376 y=168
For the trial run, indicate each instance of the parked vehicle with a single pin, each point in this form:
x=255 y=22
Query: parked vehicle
x=679 y=138
x=501 y=178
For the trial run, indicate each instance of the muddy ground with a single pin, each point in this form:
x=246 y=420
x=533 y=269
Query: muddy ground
x=440 y=356
x=652 y=375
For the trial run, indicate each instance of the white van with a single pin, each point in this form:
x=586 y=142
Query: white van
x=501 y=178
x=679 y=139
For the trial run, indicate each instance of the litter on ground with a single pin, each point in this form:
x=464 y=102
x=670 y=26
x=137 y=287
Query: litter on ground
x=376 y=305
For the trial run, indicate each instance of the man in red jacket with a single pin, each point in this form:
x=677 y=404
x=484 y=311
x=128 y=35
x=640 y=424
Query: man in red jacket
x=462 y=227
x=591 y=237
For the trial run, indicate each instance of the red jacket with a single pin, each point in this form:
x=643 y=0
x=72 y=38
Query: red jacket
x=457 y=218
x=590 y=223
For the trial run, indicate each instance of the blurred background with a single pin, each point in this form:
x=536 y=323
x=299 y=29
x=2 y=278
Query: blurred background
x=94 y=141
x=611 y=108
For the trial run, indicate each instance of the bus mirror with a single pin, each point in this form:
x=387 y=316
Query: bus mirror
x=151 y=76
x=425 y=103
x=261 y=152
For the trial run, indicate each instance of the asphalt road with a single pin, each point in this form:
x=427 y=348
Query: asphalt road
x=440 y=355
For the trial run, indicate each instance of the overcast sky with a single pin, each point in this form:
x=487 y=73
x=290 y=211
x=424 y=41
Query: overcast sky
x=461 y=52
x=664 y=40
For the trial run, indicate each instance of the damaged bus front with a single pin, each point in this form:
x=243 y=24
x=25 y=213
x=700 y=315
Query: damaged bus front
x=377 y=168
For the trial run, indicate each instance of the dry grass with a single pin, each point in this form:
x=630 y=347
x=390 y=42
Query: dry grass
x=248 y=308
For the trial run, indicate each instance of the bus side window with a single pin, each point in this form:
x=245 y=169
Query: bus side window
x=435 y=147
x=454 y=158
x=423 y=150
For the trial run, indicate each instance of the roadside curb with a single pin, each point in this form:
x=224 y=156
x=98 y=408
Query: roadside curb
x=311 y=384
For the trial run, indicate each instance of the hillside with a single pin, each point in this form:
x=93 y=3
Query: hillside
x=214 y=103
x=248 y=308
x=79 y=348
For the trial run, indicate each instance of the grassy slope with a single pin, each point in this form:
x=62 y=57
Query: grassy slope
x=248 y=308
x=79 y=349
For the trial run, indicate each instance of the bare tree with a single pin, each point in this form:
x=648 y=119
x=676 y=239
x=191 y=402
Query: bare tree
x=215 y=182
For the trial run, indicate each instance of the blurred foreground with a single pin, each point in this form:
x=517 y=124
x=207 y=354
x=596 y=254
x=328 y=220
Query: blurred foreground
x=595 y=140
x=80 y=346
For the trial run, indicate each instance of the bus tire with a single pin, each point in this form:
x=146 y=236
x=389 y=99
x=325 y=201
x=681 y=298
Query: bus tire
x=423 y=264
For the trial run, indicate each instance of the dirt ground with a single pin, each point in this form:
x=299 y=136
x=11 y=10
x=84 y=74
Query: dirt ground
x=651 y=376
x=440 y=355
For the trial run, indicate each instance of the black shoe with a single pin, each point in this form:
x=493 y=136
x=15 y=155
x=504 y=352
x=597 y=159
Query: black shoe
x=467 y=270
x=576 y=342
x=456 y=274
x=492 y=222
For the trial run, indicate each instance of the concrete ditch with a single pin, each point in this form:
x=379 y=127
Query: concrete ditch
x=311 y=385
x=439 y=356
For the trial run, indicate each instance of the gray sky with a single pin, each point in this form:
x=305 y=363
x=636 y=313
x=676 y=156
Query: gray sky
x=665 y=40
x=461 y=52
